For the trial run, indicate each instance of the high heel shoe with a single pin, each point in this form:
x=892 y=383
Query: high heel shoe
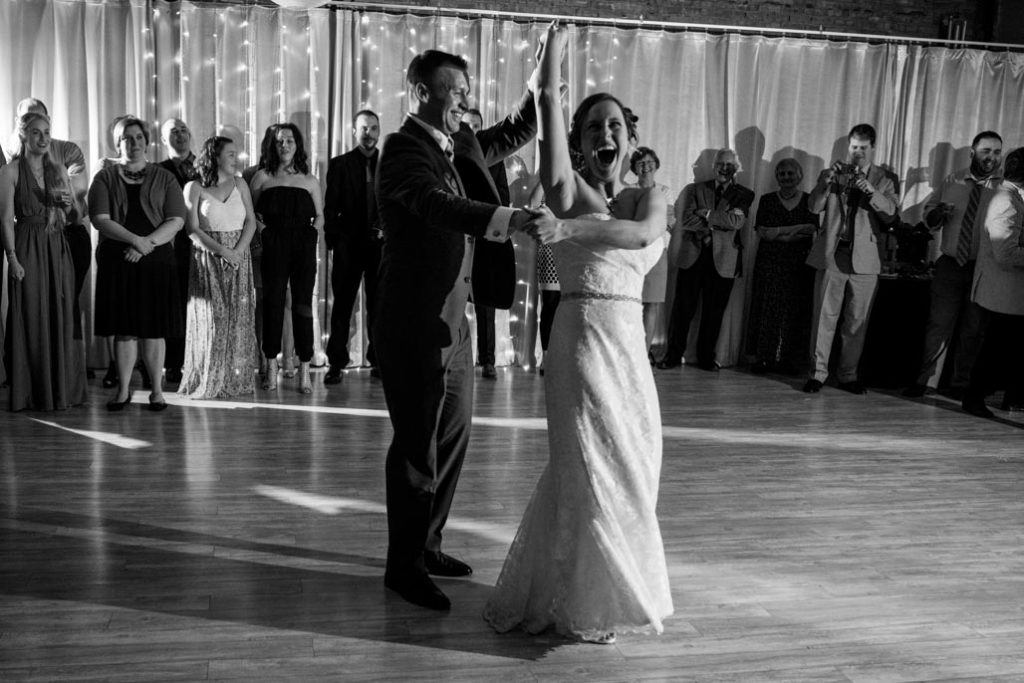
x=110 y=379
x=270 y=377
x=305 y=383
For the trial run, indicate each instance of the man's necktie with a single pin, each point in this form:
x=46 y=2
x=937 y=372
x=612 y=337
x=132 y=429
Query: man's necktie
x=966 y=238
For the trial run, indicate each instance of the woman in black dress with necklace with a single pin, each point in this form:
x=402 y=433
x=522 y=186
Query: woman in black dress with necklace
x=137 y=207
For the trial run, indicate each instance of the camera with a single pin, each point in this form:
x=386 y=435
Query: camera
x=848 y=174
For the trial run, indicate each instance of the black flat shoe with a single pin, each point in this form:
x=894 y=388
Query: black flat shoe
x=440 y=564
x=813 y=386
x=116 y=406
x=156 y=406
x=333 y=376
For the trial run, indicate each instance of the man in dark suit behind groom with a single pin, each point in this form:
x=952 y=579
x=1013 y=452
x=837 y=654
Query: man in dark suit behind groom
x=433 y=233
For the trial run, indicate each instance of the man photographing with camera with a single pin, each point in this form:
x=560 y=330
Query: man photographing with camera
x=859 y=201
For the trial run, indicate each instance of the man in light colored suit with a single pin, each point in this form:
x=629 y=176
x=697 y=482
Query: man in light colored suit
x=998 y=290
x=711 y=215
x=859 y=201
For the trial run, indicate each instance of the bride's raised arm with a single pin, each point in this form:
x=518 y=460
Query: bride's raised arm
x=556 y=173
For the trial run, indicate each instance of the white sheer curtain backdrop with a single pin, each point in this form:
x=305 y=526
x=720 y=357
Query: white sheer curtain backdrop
x=250 y=66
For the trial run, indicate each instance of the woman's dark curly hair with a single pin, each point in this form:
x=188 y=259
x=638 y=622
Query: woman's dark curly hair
x=578 y=118
x=300 y=162
x=206 y=162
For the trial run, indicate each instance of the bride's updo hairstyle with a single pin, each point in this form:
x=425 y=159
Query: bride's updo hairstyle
x=576 y=129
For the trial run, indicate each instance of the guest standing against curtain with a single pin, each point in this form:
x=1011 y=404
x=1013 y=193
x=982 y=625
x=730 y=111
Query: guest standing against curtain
x=138 y=208
x=645 y=164
x=780 y=306
x=957 y=212
x=289 y=204
x=177 y=140
x=220 y=345
x=711 y=216
x=37 y=201
x=352 y=233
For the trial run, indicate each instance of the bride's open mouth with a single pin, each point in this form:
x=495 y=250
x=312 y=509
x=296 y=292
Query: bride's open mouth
x=606 y=156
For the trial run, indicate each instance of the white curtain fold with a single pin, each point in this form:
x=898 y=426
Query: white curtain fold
x=250 y=66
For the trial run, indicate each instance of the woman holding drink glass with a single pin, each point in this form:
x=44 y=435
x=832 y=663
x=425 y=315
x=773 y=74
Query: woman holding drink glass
x=36 y=202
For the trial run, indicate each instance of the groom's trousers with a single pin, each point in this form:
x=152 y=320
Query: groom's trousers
x=429 y=394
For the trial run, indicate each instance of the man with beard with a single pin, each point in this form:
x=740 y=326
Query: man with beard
x=859 y=201
x=177 y=139
x=711 y=216
x=352 y=232
x=957 y=209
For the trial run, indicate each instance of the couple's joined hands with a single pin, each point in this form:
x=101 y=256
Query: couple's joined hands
x=541 y=224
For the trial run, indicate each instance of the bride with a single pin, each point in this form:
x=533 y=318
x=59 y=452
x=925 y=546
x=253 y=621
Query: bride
x=588 y=557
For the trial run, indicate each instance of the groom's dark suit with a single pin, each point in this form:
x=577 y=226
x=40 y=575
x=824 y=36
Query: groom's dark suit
x=420 y=330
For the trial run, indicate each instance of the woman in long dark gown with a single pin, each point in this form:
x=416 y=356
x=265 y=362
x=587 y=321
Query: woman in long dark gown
x=36 y=202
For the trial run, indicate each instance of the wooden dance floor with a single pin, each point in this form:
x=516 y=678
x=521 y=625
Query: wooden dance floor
x=828 y=538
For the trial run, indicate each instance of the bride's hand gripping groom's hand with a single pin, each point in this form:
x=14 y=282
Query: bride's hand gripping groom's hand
x=544 y=227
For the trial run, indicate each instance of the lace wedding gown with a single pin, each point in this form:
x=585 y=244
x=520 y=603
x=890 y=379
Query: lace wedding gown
x=588 y=556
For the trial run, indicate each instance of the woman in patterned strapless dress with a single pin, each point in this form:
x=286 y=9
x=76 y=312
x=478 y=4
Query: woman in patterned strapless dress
x=588 y=558
x=220 y=342
x=289 y=203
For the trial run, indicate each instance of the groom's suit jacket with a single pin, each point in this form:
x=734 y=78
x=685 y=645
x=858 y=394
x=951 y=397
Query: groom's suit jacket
x=426 y=213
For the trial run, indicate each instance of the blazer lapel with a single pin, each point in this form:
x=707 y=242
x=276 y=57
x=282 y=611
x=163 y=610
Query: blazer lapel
x=447 y=169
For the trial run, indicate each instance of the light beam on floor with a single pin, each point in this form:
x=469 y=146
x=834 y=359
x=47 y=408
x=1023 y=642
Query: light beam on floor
x=118 y=440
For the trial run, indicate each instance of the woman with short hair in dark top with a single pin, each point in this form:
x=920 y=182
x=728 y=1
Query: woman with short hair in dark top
x=137 y=207
x=778 y=332
x=289 y=208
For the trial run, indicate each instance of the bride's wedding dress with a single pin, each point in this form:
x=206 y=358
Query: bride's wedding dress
x=588 y=557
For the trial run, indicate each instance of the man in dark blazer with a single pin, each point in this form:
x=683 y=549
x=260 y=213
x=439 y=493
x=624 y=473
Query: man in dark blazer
x=711 y=216
x=352 y=233
x=433 y=233
x=177 y=139
x=485 y=339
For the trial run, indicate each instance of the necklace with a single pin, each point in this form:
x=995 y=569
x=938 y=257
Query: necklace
x=134 y=176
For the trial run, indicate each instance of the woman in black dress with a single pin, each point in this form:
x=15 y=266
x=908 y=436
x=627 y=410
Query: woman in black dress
x=137 y=207
x=780 y=311
x=289 y=211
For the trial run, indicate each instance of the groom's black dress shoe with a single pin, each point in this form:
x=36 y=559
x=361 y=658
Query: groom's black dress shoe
x=418 y=589
x=440 y=564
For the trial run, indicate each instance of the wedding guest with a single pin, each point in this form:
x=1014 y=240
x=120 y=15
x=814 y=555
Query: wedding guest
x=353 y=236
x=712 y=213
x=780 y=306
x=289 y=204
x=645 y=164
x=957 y=211
x=137 y=207
x=177 y=140
x=37 y=201
x=998 y=290
x=256 y=244
x=220 y=345
x=859 y=201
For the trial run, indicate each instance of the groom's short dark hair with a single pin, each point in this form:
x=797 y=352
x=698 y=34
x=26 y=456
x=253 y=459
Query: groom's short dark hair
x=424 y=65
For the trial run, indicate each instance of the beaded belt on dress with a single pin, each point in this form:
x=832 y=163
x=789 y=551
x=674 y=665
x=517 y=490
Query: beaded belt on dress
x=603 y=296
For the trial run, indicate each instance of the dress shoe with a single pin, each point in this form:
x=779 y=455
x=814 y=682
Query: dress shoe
x=418 y=589
x=116 y=406
x=976 y=408
x=440 y=564
x=915 y=390
x=813 y=386
x=669 y=363
x=709 y=366
x=157 y=406
x=110 y=379
x=489 y=372
x=854 y=387
x=333 y=375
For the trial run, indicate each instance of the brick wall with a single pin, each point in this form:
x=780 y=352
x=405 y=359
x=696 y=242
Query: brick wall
x=916 y=18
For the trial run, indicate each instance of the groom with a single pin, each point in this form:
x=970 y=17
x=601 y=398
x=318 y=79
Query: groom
x=439 y=246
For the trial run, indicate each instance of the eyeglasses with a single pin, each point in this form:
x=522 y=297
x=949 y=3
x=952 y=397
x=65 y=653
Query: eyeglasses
x=647 y=163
